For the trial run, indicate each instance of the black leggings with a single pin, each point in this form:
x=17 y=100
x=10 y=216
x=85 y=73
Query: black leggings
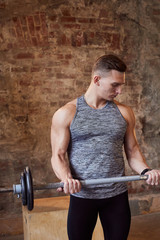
x=114 y=214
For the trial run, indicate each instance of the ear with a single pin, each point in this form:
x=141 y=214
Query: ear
x=96 y=80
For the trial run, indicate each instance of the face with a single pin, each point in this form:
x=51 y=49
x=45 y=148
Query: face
x=110 y=85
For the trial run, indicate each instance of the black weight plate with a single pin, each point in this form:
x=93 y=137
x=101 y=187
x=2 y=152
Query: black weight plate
x=29 y=187
x=23 y=186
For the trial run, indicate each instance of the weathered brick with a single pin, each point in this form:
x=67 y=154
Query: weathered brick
x=25 y=29
x=25 y=55
x=62 y=75
x=36 y=83
x=79 y=39
x=23 y=20
x=105 y=21
x=47 y=69
x=66 y=12
x=156 y=11
x=53 y=18
x=68 y=19
x=54 y=26
x=51 y=34
x=99 y=38
x=43 y=17
x=12 y=32
x=64 y=62
x=60 y=56
x=47 y=91
x=76 y=26
x=21 y=119
x=103 y=13
x=92 y=20
x=45 y=40
x=3 y=100
x=37 y=19
x=2 y=5
x=68 y=56
x=62 y=39
x=9 y=46
x=19 y=69
x=15 y=19
x=18 y=28
x=91 y=35
x=34 y=41
x=115 y=42
x=44 y=29
x=25 y=83
x=31 y=25
x=38 y=28
x=83 y=20
x=35 y=69
x=108 y=28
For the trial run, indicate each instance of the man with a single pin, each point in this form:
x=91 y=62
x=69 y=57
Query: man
x=92 y=130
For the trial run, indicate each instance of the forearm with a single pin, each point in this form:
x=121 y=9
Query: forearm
x=137 y=165
x=136 y=160
x=134 y=156
x=61 y=167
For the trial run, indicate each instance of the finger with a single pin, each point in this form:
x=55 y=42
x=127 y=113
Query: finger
x=60 y=189
x=74 y=186
x=71 y=186
x=157 y=178
x=78 y=186
x=153 y=178
x=66 y=187
x=149 y=180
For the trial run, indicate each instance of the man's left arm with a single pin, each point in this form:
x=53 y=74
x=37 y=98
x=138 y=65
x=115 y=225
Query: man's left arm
x=134 y=156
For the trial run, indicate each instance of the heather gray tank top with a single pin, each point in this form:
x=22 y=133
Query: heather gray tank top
x=96 y=148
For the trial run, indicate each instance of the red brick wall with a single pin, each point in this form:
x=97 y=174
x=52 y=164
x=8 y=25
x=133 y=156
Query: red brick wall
x=47 y=49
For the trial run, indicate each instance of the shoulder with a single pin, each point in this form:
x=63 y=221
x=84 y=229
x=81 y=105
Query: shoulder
x=65 y=114
x=126 y=112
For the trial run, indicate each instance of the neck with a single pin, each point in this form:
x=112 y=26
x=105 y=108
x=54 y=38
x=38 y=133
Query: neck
x=93 y=100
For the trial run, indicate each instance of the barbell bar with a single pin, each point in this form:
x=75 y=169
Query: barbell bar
x=91 y=182
x=26 y=188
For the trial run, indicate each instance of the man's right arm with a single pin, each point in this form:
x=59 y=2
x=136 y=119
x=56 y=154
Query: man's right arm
x=60 y=137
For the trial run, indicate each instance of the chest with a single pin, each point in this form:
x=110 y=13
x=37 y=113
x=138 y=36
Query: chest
x=108 y=125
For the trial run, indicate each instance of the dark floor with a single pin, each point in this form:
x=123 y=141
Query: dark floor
x=143 y=227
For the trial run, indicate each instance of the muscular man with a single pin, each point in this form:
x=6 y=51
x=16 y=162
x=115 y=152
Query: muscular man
x=92 y=130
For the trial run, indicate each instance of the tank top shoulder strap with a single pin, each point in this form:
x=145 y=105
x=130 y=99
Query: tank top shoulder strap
x=80 y=102
x=79 y=105
x=114 y=105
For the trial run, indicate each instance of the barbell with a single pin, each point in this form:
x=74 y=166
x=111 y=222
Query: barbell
x=25 y=189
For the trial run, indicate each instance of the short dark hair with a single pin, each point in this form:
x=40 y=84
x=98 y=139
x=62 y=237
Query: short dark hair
x=107 y=63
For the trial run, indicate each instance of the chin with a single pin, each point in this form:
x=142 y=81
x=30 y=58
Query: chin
x=110 y=98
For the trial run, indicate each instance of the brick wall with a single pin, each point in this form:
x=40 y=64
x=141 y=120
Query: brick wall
x=47 y=49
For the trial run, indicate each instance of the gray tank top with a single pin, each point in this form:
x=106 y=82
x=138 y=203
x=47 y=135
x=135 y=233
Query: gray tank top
x=96 y=148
